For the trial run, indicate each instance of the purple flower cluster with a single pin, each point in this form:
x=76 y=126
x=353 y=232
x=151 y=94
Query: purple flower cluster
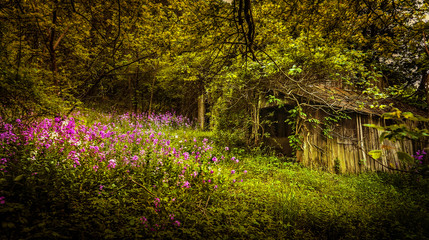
x=7 y=134
x=3 y=164
x=127 y=143
x=419 y=156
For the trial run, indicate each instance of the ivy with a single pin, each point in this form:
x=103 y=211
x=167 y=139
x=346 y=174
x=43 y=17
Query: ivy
x=296 y=139
x=334 y=118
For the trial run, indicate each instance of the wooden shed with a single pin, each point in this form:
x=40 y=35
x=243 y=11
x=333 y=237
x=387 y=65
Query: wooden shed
x=345 y=149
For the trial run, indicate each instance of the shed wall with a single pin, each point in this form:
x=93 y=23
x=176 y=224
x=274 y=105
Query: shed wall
x=347 y=150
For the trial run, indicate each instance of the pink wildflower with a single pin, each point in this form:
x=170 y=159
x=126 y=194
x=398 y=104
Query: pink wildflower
x=186 y=184
x=112 y=163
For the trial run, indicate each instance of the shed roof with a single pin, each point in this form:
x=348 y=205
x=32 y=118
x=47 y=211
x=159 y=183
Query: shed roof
x=350 y=100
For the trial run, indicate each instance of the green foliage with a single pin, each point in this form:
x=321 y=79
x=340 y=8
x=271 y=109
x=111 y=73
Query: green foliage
x=229 y=126
x=295 y=140
x=22 y=95
x=235 y=105
x=405 y=126
x=332 y=119
x=401 y=129
x=319 y=205
x=405 y=157
x=273 y=99
x=337 y=166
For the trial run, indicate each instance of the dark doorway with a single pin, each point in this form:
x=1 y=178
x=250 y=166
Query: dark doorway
x=275 y=125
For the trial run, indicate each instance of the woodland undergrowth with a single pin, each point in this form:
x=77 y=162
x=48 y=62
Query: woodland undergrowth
x=133 y=176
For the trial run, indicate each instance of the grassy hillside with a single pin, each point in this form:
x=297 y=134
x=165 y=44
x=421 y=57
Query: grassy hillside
x=102 y=176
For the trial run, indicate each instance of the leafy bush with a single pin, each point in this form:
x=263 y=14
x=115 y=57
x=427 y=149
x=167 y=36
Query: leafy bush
x=23 y=95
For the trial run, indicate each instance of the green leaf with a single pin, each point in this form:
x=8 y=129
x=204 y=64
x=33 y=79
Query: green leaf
x=374 y=126
x=132 y=222
x=409 y=115
x=390 y=115
x=376 y=154
x=19 y=178
x=386 y=135
x=405 y=157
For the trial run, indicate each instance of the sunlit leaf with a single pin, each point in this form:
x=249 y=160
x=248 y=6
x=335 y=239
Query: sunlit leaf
x=376 y=154
x=371 y=125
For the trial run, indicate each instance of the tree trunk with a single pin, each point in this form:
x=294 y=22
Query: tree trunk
x=130 y=93
x=52 y=53
x=151 y=95
x=136 y=85
x=426 y=75
x=256 y=121
x=201 y=111
x=53 y=44
x=427 y=93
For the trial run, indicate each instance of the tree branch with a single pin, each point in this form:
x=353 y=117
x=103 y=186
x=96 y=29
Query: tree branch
x=424 y=42
x=61 y=37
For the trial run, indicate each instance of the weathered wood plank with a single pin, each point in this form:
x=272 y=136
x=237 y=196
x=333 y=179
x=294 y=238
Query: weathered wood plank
x=320 y=152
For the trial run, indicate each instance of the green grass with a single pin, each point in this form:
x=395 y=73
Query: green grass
x=320 y=205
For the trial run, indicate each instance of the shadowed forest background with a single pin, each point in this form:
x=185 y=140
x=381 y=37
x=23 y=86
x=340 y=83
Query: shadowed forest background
x=146 y=56
x=213 y=119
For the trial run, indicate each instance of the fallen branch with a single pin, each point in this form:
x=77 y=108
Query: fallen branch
x=134 y=181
